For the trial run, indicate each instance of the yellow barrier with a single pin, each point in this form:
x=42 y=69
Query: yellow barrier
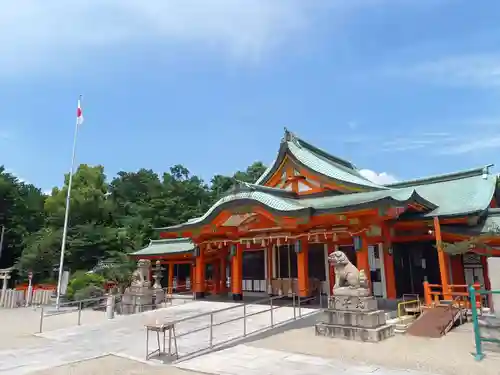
x=404 y=303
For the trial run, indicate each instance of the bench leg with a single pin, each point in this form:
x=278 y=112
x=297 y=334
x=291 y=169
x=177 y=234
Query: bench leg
x=170 y=341
x=175 y=343
x=147 y=344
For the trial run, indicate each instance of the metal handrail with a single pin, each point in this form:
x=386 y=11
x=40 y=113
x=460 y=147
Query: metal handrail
x=226 y=309
x=296 y=302
x=80 y=303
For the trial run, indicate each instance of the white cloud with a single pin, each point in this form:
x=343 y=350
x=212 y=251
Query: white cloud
x=466 y=146
x=379 y=178
x=481 y=70
x=33 y=31
x=50 y=33
x=352 y=125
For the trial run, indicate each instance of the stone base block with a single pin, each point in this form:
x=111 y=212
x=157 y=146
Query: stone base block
x=370 y=319
x=355 y=333
x=353 y=303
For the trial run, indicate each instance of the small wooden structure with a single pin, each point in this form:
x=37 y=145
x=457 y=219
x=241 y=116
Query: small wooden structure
x=162 y=328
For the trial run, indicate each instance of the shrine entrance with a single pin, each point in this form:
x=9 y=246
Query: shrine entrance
x=415 y=263
x=254 y=271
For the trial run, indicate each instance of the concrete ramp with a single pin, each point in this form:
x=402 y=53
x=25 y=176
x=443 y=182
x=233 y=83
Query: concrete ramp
x=435 y=322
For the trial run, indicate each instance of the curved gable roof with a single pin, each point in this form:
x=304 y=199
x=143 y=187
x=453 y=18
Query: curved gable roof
x=167 y=246
x=288 y=204
x=318 y=161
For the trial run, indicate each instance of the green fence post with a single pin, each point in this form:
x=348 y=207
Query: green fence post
x=477 y=335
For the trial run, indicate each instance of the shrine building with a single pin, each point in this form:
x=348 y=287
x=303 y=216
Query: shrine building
x=274 y=236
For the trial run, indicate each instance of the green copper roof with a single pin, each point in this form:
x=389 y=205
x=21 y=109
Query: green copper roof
x=276 y=200
x=489 y=222
x=347 y=202
x=456 y=194
x=287 y=203
x=168 y=246
x=318 y=161
x=442 y=178
x=459 y=195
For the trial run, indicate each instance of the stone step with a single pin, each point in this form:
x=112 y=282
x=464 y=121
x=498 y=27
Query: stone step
x=391 y=315
x=355 y=333
x=367 y=319
x=406 y=319
x=392 y=321
x=401 y=327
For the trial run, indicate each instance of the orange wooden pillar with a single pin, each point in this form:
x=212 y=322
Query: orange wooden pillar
x=362 y=262
x=390 y=276
x=223 y=275
x=171 y=277
x=302 y=250
x=269 y=275
x=443 y=261
x=237 y=272
x=427 y=294
x=200 y=283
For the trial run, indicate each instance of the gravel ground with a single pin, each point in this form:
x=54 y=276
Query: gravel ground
x=113 y=365
x=449 y=355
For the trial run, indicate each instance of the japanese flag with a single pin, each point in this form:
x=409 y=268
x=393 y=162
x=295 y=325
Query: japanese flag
x=79 y=113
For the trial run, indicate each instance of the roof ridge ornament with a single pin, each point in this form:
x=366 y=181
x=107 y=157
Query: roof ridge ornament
x=486 y=171
x=289 y=136
x=239 y=185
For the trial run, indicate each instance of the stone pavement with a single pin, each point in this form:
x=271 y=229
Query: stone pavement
x=125 y=335
x=249 y=360
x=113 y=365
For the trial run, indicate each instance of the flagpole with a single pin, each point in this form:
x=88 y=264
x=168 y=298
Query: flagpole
x=66 y=214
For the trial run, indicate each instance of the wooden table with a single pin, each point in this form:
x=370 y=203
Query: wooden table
x=161 y=328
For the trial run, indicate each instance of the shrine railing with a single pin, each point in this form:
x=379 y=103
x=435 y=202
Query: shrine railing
x=107 y=306
x=215 y=329
x=458 y=294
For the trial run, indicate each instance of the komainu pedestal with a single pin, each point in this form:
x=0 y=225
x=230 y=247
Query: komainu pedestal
x=138 y=297
x=352 y=311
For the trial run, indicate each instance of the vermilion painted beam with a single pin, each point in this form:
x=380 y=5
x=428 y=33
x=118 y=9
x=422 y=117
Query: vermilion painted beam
x=443 y=261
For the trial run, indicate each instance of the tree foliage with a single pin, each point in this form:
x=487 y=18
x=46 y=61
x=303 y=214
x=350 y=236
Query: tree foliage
x=108 y=217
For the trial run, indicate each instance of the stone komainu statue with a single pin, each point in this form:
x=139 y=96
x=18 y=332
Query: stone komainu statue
x=140 y=277
x=346 y=274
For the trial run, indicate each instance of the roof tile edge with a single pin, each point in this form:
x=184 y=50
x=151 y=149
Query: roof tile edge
x=441 y=178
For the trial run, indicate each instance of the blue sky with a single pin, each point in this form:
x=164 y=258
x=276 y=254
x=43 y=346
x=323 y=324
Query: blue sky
x=402 y=88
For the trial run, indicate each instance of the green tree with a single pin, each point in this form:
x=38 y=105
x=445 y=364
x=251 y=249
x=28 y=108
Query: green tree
x=107 y=220
x=252 y=173
x=221 y=184
x=91 y=232
x=21 y=213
